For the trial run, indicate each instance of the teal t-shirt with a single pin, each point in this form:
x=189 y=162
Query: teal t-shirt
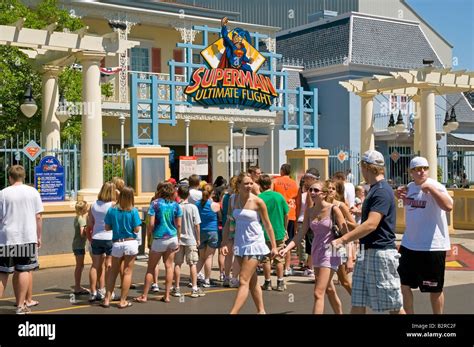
x=277 y=209
x=122 y=222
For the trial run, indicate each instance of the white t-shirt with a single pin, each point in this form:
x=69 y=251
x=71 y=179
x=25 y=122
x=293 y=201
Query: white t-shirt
x=194 y=196
x=303 y=207
x=99 y=210
x=190 y=219
x=426 y=224
x=19 y=205
x=349 y=193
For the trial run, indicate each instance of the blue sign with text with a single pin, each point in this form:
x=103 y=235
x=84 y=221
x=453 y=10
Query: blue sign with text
x=49 y=179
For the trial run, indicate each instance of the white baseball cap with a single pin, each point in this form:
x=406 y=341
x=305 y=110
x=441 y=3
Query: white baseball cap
x=373 y=157
x=418 y=162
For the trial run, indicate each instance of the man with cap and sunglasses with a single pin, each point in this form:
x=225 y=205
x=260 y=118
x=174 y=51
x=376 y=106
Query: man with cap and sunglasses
x=375 y=282
x=426 y=238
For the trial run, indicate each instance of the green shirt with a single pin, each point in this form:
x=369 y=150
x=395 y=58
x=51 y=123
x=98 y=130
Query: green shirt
x=79 y=242
x=277 y=210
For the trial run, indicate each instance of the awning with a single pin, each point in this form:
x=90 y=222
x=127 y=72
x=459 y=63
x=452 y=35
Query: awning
x=459 y=144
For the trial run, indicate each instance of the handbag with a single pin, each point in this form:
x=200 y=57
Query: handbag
x=336 y=233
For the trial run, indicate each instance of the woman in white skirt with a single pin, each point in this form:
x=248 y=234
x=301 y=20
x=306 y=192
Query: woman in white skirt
x=249 y=241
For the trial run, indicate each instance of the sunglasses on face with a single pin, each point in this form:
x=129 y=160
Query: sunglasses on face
x=316 y=190
x=420 y=168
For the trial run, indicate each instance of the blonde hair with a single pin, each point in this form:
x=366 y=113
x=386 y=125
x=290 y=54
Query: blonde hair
x=17 y=173
x=126 y=199
x=328 y=183
x=375 y=169
x=107 y=192
x=81 y=208
x=119 y=183
x=233 y=183
x=240 y=179
x=206 y=194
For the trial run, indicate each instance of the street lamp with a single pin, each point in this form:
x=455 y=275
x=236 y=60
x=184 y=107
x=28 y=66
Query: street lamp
x=400 y=126
x=391 y=124
x=453 y=123
x=29 y=107
x=62 y=112
x=450 y=123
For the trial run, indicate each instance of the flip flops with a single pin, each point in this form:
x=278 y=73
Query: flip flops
x=128 y=304
x=164 y=300
x=140 y=300
x=82 y=292
x=104 y=305
x=31 y=304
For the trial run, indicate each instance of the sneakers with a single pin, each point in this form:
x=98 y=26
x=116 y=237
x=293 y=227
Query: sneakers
x=101 y=294
x=280 y=286
x=175 y=292
x=226 y=282
x=23 y=310
x=112 y=298
x=197 y=293
x=308 y=273
x=234 y=283
x=222 y=276
x=93 y=297
x=206 y=283
x=200 y=276
x=267 y=285
x=155 y=288
x=288 y=272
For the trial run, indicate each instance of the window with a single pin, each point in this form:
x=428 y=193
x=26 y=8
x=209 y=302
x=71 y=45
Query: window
x=178 y=56
x=140 y=59
x=197 y=58
x=156 y=60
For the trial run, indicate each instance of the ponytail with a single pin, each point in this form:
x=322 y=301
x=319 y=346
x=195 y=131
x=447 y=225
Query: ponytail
x=206 y=194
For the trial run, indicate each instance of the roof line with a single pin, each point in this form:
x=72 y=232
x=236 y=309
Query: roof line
x=341 y=17
x=174 y=15
x=427 y=24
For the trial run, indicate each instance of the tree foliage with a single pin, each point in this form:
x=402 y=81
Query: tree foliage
x=16 y=71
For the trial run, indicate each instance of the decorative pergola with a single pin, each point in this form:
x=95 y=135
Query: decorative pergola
x=52 y=51
x=422 y=85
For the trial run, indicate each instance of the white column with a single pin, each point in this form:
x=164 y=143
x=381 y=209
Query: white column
x=244 y=148
x=417 y=132
x=50 y=125
x=231 y=149
x=186 y=123
x=272 y=148
x=91 y=132
x=428 y=131
x=366 y=126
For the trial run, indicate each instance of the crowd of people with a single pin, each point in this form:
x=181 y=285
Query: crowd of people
x=253 y=223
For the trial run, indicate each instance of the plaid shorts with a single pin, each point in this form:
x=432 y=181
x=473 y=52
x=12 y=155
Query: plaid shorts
x=375 y=282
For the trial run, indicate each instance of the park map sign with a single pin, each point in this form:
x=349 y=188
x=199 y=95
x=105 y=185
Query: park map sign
x=233 y=77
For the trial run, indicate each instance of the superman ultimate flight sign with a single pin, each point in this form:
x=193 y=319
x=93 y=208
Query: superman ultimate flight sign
x=233 y=77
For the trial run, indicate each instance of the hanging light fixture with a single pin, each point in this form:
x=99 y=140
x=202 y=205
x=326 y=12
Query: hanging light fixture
x=446 y=126
x=391 y=124
x=29 y=107
x=62 y=112
x=453 y=123
x=400 y=125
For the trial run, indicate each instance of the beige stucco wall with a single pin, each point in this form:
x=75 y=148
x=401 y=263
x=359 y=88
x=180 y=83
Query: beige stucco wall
x=396 y=9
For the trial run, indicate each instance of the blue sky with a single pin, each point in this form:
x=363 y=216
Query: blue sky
x=454 y=20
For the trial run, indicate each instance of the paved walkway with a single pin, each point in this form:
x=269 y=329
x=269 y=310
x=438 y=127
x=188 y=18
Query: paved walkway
x=52 y=287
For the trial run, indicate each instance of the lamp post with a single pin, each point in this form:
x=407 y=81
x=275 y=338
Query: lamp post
x=29 y=107
x=122 y=130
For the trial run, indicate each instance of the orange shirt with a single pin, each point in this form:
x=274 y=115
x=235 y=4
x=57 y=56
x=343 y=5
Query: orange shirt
x=289 y=189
